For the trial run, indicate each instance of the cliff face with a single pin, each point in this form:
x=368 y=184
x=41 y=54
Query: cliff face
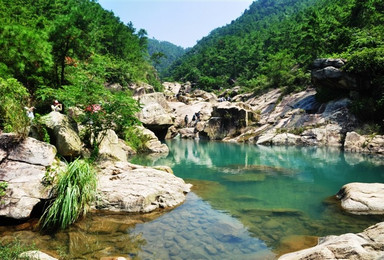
x=273 y=118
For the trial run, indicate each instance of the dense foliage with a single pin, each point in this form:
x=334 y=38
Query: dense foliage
x=12 y=115
x=274 y=42
x=69 y=50
x=163 y=54
x=42 y=39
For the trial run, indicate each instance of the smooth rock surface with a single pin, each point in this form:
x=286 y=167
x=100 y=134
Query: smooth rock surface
x=367 y=245
x=63 y=134
x=23 y=167
x=362 y=198
x=36 y=255
x=126 y=187
x=114 y=148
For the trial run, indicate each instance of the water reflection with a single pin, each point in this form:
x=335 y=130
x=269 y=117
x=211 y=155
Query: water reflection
x=283 y=195
x=248 y=202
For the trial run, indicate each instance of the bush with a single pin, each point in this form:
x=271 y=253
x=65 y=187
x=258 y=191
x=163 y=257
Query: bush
x=75 y=191
x=135 y=139
x=13 y=98
x=368 y=62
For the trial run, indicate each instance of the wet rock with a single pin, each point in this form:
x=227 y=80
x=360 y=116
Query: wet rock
x=362 y=198
x=366 y=245
x=126 y=187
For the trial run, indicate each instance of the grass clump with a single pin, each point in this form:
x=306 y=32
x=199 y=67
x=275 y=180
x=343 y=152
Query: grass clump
x=136 y=139
x=12 y=250
x=75 y=191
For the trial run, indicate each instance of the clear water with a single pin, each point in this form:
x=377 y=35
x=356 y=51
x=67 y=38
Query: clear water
x=283 y=196
x=247 y=202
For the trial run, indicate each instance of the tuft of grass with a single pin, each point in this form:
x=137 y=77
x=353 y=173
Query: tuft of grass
x=136 y=139
x=12 y=250
x=75 y=191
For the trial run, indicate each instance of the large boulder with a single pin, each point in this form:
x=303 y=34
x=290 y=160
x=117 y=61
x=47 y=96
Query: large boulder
x=23 y=167
x=327 y=73
x=111 y=147
x=155 y=114
x=362 y=198
x=152 y=143
x=365 y=246
x=126 y=187
x=63 y=133
x=363 y=143
x=141 y=89
x=228 y=119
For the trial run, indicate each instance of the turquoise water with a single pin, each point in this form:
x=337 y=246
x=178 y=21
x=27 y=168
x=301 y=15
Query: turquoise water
x=247 y=202
x=282 y=196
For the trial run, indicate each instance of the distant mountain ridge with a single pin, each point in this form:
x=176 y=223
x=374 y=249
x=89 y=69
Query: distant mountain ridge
x=163 y=54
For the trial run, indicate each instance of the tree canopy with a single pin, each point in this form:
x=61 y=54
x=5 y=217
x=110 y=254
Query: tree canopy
x=274 y=42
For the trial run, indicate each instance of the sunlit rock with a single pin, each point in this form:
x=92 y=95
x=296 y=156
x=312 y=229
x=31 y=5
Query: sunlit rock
x=23 y=168
x=126 y=187
x=111 y=147
x=362 y=198
x=36 y=255
x=366 y=245
x=141 y=89
x=152 y=143
x=363 y=143
x=155 y=114
x=63 y=133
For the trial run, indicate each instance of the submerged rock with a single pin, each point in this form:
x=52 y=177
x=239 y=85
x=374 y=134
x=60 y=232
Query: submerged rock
x=125 y=187
x=366 y=245
x=362 y=198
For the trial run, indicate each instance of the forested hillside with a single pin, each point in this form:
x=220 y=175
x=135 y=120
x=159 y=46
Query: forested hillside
x=163 y=54
x=275 y=41
x=67 y=50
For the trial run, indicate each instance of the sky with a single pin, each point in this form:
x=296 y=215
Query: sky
x=181 y=22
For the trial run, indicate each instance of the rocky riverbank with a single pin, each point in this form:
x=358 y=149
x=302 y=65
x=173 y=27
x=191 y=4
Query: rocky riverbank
x=124 y=187
x=269 y=119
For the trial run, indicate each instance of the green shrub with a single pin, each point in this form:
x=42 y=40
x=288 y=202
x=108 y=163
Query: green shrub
x=136 y=139
x=75 y=191
x=367 y=62
x=13 y=98
x=41 y=130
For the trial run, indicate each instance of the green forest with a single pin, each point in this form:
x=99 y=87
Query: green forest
x=163 y=54
x=274 y=43
x=70 y=49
